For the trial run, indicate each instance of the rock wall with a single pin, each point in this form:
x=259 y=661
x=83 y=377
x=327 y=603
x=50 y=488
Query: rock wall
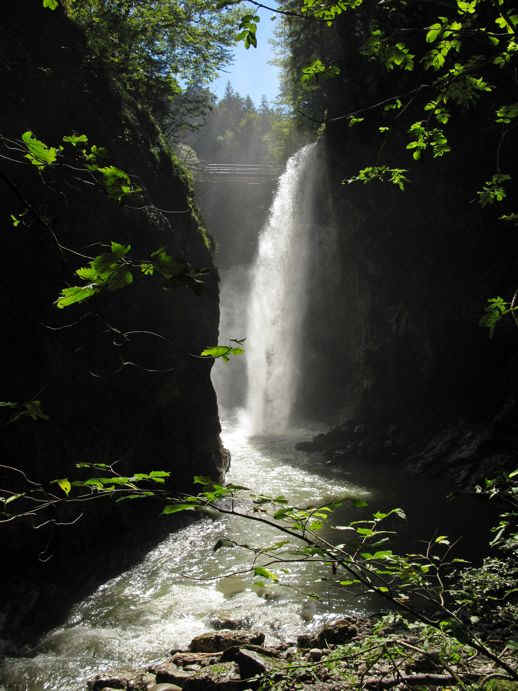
x=99 y=408
x=412 y=275
x=394 y=348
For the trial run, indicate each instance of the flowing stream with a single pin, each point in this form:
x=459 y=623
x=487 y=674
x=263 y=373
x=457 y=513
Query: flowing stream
x=183 y=586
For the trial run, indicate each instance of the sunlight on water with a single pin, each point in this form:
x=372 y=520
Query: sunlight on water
x=182 y=584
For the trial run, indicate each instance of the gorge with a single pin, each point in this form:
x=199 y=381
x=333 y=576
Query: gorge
x=183 y=587
x=368 y=381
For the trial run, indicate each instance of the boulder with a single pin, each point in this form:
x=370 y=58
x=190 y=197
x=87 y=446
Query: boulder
x=253 y=660
x=137 y=681
x=217 y=641
x=182 y=659
x=223 y=676
x=341 y=631
x=168 y=672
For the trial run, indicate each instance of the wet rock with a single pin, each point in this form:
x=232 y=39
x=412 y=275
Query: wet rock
x=165 y=687
x=171 y=673
x=341 y=631
x=223 y=676
x=137 y=681
x=182 y=659
x=315 y=654
x=214 y=642
x=253 y=660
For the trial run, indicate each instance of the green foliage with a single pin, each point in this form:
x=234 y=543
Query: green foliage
x=505 y=114
x=222 y=351
x=31 y=409
x=107 y=271
x=117 y=182
x=75 y=139
x=317 y=69
x=504 y=489
x=39 y=154
x=440 y=61
x=248 y=29
x=392 y=55
x=160 y=50
x=493 y=189
x=496 y=308
x=50 y=4
x=425 y=138
x=354 y=120
x=114 y=270
x=396 y=176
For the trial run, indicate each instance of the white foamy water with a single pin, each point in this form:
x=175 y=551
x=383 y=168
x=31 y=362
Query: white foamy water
x=278 y=298
x=182 y=584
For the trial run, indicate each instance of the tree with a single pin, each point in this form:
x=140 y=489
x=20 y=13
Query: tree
x=159 y=49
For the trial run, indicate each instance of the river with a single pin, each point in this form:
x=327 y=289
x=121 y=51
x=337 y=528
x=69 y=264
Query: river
x=182 y=585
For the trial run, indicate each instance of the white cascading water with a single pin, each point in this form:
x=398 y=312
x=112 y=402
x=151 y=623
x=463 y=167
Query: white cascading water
x=278 y=298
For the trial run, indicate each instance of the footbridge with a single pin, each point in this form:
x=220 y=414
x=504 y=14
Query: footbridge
x=247 y=173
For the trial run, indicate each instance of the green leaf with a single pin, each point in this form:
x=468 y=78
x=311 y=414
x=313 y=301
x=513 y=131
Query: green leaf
x=116 y=181
x=265 y=573
x=204 y=480
x=15 y=220
x=65 y=485
x=39 y=154
x=433 y=32
x=119 y=250
x=147 y=268
x=349 y=583
x=442 y=539
x=218 y=352
x=354 y=120
x=76 y=139
x=159 y=473
x=505 y=114
x=50 y=4
x=74 y=294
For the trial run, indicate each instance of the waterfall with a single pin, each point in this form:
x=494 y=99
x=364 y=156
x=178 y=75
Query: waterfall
x=278 y=298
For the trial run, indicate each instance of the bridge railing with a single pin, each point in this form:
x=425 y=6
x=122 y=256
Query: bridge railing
x=235 y=172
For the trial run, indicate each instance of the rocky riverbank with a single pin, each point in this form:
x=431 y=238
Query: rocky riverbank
x=464 y=451
x=355 y=652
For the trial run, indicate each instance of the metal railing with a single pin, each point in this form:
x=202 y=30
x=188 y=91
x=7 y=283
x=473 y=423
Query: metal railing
x=251 y=173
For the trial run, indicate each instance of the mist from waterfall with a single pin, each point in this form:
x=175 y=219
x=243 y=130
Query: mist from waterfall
x=278 y=298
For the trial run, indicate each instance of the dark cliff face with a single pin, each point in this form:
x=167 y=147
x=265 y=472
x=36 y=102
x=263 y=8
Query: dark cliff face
x=99 y=408
x=412 y=275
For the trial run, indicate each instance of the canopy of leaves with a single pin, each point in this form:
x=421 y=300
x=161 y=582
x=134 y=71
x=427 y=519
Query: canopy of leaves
x=159 y=48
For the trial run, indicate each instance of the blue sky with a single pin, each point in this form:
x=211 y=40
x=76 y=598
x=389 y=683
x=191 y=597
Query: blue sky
x=250 y=74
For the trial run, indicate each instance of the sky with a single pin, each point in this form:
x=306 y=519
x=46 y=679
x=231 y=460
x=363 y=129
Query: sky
x=250 y=74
